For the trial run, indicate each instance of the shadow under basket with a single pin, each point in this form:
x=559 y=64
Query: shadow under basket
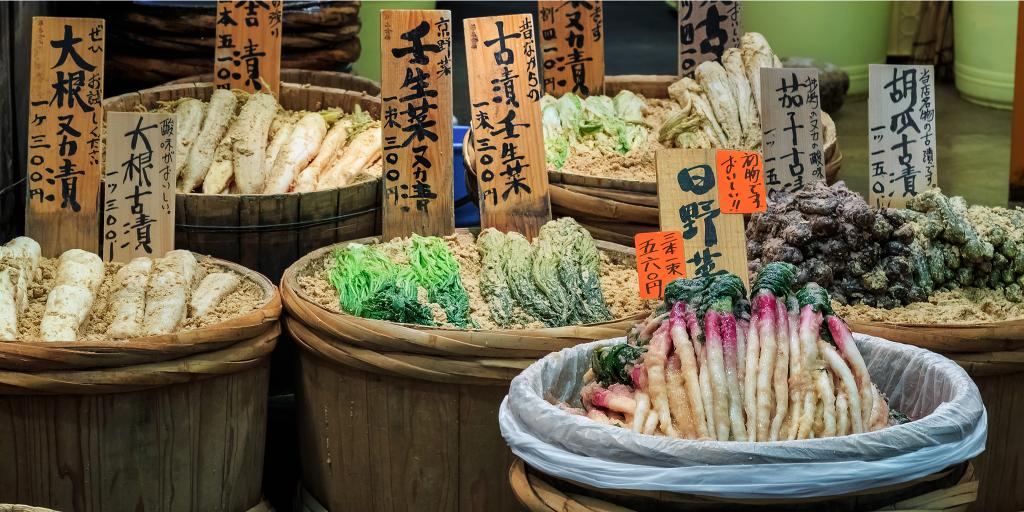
x=404 y=417
x=171 y=422
x=269 y=232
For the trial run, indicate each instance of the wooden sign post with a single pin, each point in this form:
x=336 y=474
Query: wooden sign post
x=901 y=133
x=706 y=29
x=248 y=46
x=65 y=134
x=689 y=201
x=793 y=141
x=138 y=200
x=572 y=46
x=416 y=86
x=504 y=89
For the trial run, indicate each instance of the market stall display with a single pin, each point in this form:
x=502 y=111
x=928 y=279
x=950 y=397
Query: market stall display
x=364 y=363
x=318 y=77
x=173 y=351
x=600 y=150
x=268 y=232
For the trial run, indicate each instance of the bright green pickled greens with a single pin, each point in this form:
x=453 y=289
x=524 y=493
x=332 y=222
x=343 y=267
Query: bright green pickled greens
x=371 y=286
x=775 y=277
x=494 y=284
x=435 y=268
x=610 y=125
x=611 y=363
x=725 y=293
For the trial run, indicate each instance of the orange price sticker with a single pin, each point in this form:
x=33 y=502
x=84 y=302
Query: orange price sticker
x=659 y=261
x=740 y=181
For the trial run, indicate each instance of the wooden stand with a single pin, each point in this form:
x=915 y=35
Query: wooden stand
x=268 y=232
x=173 y=422
x=403 y=417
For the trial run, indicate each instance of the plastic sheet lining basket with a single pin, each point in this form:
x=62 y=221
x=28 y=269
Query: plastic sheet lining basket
x=614 y=209
x=268 y=232
x=160 y=422
x=993 y=355
x=403 y=417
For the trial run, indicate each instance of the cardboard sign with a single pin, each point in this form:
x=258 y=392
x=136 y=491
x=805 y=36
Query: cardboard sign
x=706 y=29
x=659 y=261
x=416 y=87
x=65 y=134
x=572 y=46
x=901 y=133
x=793 y=142
x=248 y=46
x=740 y=181
x=688 y=202
x=138 y=199
x=508 y=143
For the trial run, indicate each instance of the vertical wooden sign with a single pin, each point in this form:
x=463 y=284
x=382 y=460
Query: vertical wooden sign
x=138 y=199
x=65 y=133
x=572 y=46
x=247 y=52
x=504 y=89
x=793 y=140
x=416 y=86
x=706 y=29
x=901 y=133
x=688 y=201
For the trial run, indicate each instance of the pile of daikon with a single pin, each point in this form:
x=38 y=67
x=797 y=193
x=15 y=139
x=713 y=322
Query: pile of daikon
x=241 y=143
x=711 y=364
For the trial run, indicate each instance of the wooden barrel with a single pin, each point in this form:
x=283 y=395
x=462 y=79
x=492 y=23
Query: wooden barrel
x=317 y=77
x=952 y=489
x=171 y=422
x=268 y=232
x=615 y=209
x=993 y=355
x=404 y=417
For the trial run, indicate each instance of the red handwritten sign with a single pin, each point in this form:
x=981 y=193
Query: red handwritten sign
x=740 y=181
x=659 y=261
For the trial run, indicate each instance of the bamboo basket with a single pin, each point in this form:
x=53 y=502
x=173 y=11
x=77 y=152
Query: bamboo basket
x=173 y=422
x=952 y=489
x=404 y=417
x=993 y=355
x=300 y=77
x=268 y=232
x=615 y=209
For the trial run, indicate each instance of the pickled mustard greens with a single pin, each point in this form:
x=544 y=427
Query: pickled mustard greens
x=372 y=286
x=613 y=125
x=435 y=269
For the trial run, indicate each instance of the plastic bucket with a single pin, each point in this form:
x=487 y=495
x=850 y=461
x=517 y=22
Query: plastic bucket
x=985 y=35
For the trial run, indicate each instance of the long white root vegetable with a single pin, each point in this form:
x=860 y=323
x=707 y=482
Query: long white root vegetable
x=129 y=298
x=8 y=306
x=80 y=268
x=781 y=377
x=189 y=115
x=211 y=291
x=729 y=341
x=21 y=255
x=842 y=414
x=218 y=118
x=330 y=150
x=797 y=377
x=280 y=131
x=249 y=143
x=363 y=149
x=169 y=290
x=222 y=169
x=750 y=376
x=688 y=366
x=848 y=348
x=643 y=407
x=655 y=362
x=827 y=395
x=706 y=394
x=67 y=307
x=845 y=377
x=678 y=400
x=765 y=306
x=298 y=151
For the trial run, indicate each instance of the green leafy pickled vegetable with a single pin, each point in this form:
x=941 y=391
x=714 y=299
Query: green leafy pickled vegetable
x=371 y=286
x=610 y=125
x=434 y=267
x=612 y=363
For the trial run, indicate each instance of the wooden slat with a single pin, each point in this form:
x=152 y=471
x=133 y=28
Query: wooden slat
x=64 y=164
x=513 y=190
x=416 y=84
x=572 y=46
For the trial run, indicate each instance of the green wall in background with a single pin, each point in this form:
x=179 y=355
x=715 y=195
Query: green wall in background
x=850 y=35
x=985 y=41
x=368 y=64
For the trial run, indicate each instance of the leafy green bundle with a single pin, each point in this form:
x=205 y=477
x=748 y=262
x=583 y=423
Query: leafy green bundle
x=611 y=125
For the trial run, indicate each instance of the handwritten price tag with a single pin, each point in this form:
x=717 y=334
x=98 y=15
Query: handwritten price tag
x=740 y=181
x=659 y=261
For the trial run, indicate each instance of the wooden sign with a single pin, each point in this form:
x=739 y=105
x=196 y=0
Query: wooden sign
x=247 y=52
x=740 y=181
x=504 y=89
x=572 y=46
x=706 y=29
x=901 y=133
x=659 y=261
x=688 y=202
x=793 y=140
x=416 y=87
x=138 y=186
x=65 y=134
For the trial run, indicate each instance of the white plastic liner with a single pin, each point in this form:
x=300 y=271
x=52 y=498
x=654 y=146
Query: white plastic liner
x=951 y=428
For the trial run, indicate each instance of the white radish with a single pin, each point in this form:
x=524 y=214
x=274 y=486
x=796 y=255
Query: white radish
x=848 y=348
x=211 y=291
x=845 y=376
x=826 y=393
x=297 y=152
x=643 y=406
x=729 y=343
x=189 y=115
x=218 y=118
x=797 y=377
x=330 y=150
x=129 y=298
x=842 y=414
x=67 y=307
x=221 y=170
x=8 y=307
x=360 y=152
x=765 y=306
x=688 y=366
x=750 y=376
x=704 y=378
x=655 y=361
x=781 y=377
x=281 y=130
x=249 y=142
x=678 y=400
